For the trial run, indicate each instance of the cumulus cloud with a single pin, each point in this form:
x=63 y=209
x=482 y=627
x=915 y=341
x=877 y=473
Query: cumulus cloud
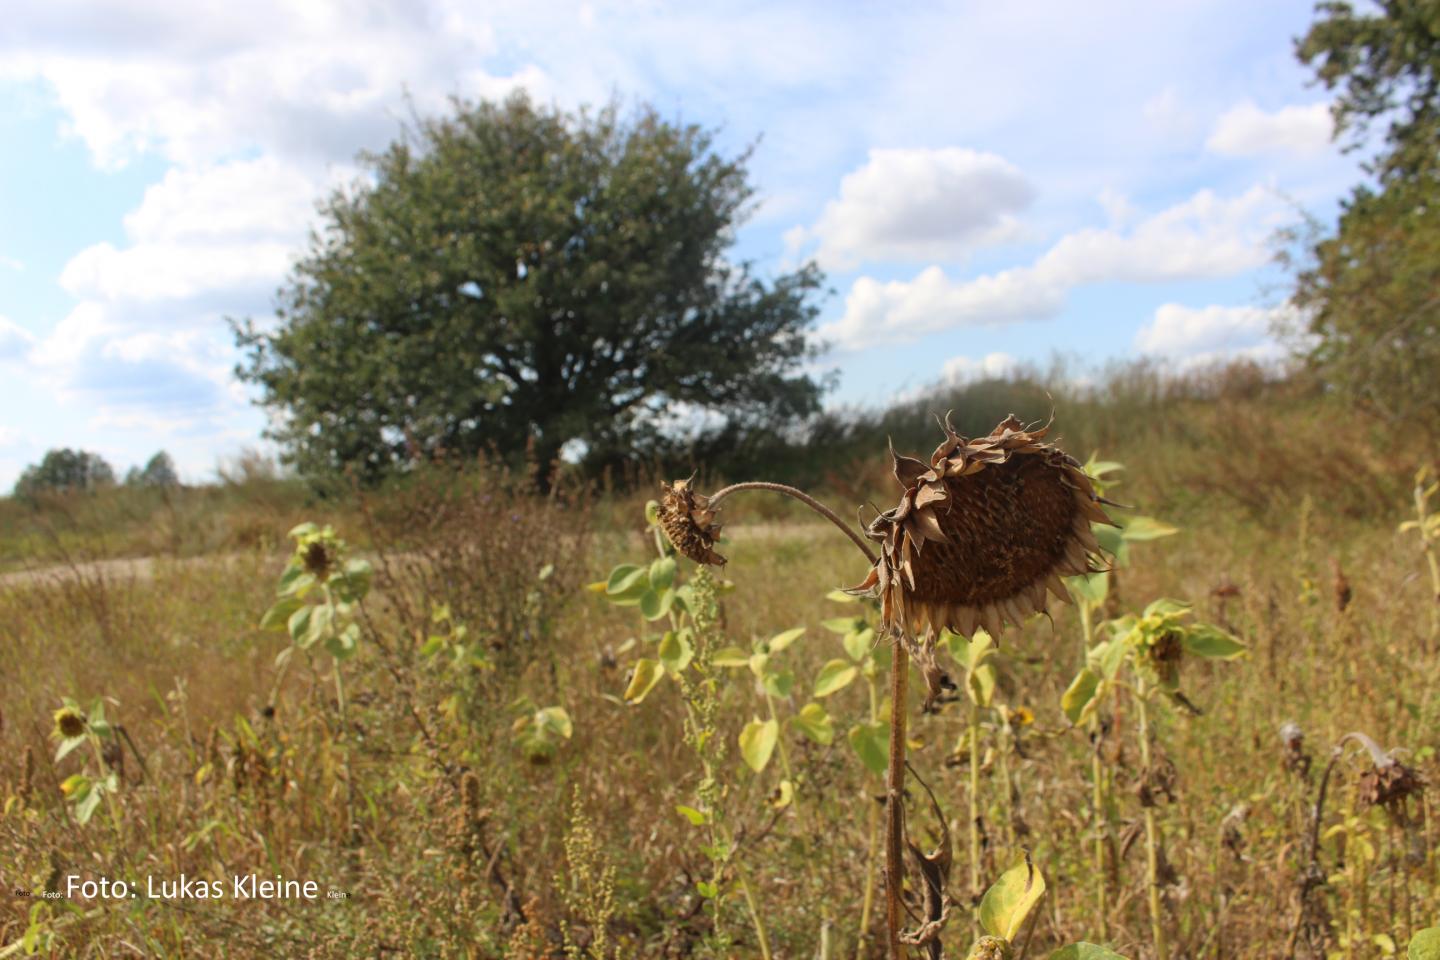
x=914 y=204
x=1198 y=335
x=148 y=337
x=1245 y=129
x=964 y=369
x=1205 y=236
x=15 y=340
x=315 y=80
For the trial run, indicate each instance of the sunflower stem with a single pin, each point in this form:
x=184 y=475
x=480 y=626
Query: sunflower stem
x=873 y=826
x=973 y=735
x=1097 y=776
x=804 y=498
x=894 y=791
x=1152 y=830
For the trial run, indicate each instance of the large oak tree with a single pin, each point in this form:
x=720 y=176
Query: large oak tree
x=513 y=275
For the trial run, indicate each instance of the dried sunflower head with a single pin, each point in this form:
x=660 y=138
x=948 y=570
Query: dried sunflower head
x=982 y=533
x=689 y=523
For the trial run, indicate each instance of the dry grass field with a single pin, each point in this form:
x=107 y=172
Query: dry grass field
x=460 y=755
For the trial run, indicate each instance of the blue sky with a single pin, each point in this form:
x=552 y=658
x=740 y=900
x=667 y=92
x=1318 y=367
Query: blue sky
x=984 y=184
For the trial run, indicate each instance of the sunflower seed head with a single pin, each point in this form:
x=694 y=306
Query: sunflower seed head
x=984 y=533
x=689 y=523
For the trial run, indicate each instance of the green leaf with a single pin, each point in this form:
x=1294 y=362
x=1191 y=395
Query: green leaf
x=1099 y=469
x=757 y=742
x=295 y=582
x=1085 y=951
x=835 y=676
x=731 y=657
x=303 y=530
x=654 y=605
x=1425 y=945
x=871 y=741
x=706 y=889
x=276 y=617
x=858 y=643
x=778 y=683
x=85 y=808
x=1165 y=607
x=1107 y=657
x=342 y=644
x=1092 y=588
x=662 y=573
x=627 y=584
x=695 y=817
x=675 y=652
x=840 y=596
x=1112 y=541
x=782 y=640
x=1010 y=900
x=783 y=795
x=978 y=649
x=555 y=720
x=1080 y=693
x=642 y=681
x=299 y=623
x=843 y=625
x=980 y=685
x=1146 y=528
x=66 y=746
x=354 y=583
x=815 y=723
x=1204 y=640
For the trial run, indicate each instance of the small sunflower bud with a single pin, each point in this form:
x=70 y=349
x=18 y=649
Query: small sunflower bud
x=317 y=560
x=990 y=948
x=70 y=722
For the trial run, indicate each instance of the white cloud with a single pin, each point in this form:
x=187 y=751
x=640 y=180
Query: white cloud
x=1245 y=129
x=10 y=263
x=1198 y=335
x=1166 y=115
x=15 y=340
x=147 y=339
x=1119 y=211
x=912 y=204
x=315 y=80
x=1205 y=236
x=963 y=369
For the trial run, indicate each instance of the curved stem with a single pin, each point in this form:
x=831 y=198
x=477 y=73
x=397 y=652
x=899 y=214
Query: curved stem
x=804 y=498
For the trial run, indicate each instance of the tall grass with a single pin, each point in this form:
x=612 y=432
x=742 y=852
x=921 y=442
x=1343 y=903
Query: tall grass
x=467 y=843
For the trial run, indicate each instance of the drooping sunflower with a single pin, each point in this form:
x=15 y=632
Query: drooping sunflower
x=690 y=523
x=983 y=534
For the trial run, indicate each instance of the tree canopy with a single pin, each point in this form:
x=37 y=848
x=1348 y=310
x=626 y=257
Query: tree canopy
x=514 y=275
x=159 y=471
x=1370 y=291
x=65 y=471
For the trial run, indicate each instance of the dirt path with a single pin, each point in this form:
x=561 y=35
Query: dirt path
x=119 y=568
x=143 y=568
